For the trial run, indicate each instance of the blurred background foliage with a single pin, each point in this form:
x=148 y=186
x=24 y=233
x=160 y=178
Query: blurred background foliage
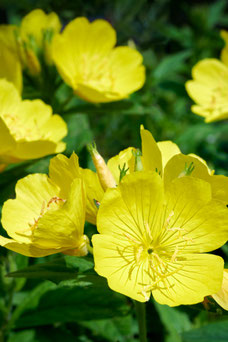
x=172 y=35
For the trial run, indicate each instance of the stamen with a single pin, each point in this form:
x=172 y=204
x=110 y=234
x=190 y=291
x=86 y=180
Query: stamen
x=129 y=237
x=168 y=219
x=55 y=200
x=139 y=254
x=148 y=230
x=173 y=258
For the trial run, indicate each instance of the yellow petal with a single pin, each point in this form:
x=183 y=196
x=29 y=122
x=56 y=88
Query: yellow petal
x=126 y=70
x=94 y=191
x=188 y=225
x=175 y=168
x=97 y=37
x=124 y=157
x=7 y=143
x=7 y=37
x=193 y=278
x=63 y=227
x=26 y=249
x=72 y=56
x=10 y=67
x=34 y=149
x=221 y=297
x=63 y=171
x=132 y=207
x=37 y=113
x=151 y=155
x=9 y=98
x=211 y=73
x=89 y=93
x=168 y=150
x=123 y=274
x=211 y=172
x=219 y=186
x=224 y=53
x=19 y=215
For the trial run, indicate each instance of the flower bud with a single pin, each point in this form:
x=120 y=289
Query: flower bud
x=104 y=174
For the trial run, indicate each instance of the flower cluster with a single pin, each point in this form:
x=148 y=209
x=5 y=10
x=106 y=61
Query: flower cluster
x=158 y=211
x=152 y=211
x=95 y=69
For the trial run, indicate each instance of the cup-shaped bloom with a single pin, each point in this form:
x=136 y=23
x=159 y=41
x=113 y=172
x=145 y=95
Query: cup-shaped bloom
x=90 y=64
x=31 y=39
x=42 y=220
x=209 y=88
x=28 y=129
x=155 y=240
x=167 y=160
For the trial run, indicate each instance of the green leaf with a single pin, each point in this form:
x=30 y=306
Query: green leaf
x=114 y=330
x=174 y=320
x=31 y=301
x=214 y=332
x=42 y=335
x=63 y=268
x=23 y=336
x=17 y=261
x=49 y=304
x=171 y=64
x=215 y=12
x=79 y=132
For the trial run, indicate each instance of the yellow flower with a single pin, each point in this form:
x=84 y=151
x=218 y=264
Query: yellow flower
x=221 y=297
x=209 y=89
x=155 y=241
x=46 y=218
x=90 y=64
x=28 y=129
x=209 y=86
x=31 y=39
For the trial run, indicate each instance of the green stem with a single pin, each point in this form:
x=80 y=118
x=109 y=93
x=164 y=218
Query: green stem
x=90 y=249
x=140 y=309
